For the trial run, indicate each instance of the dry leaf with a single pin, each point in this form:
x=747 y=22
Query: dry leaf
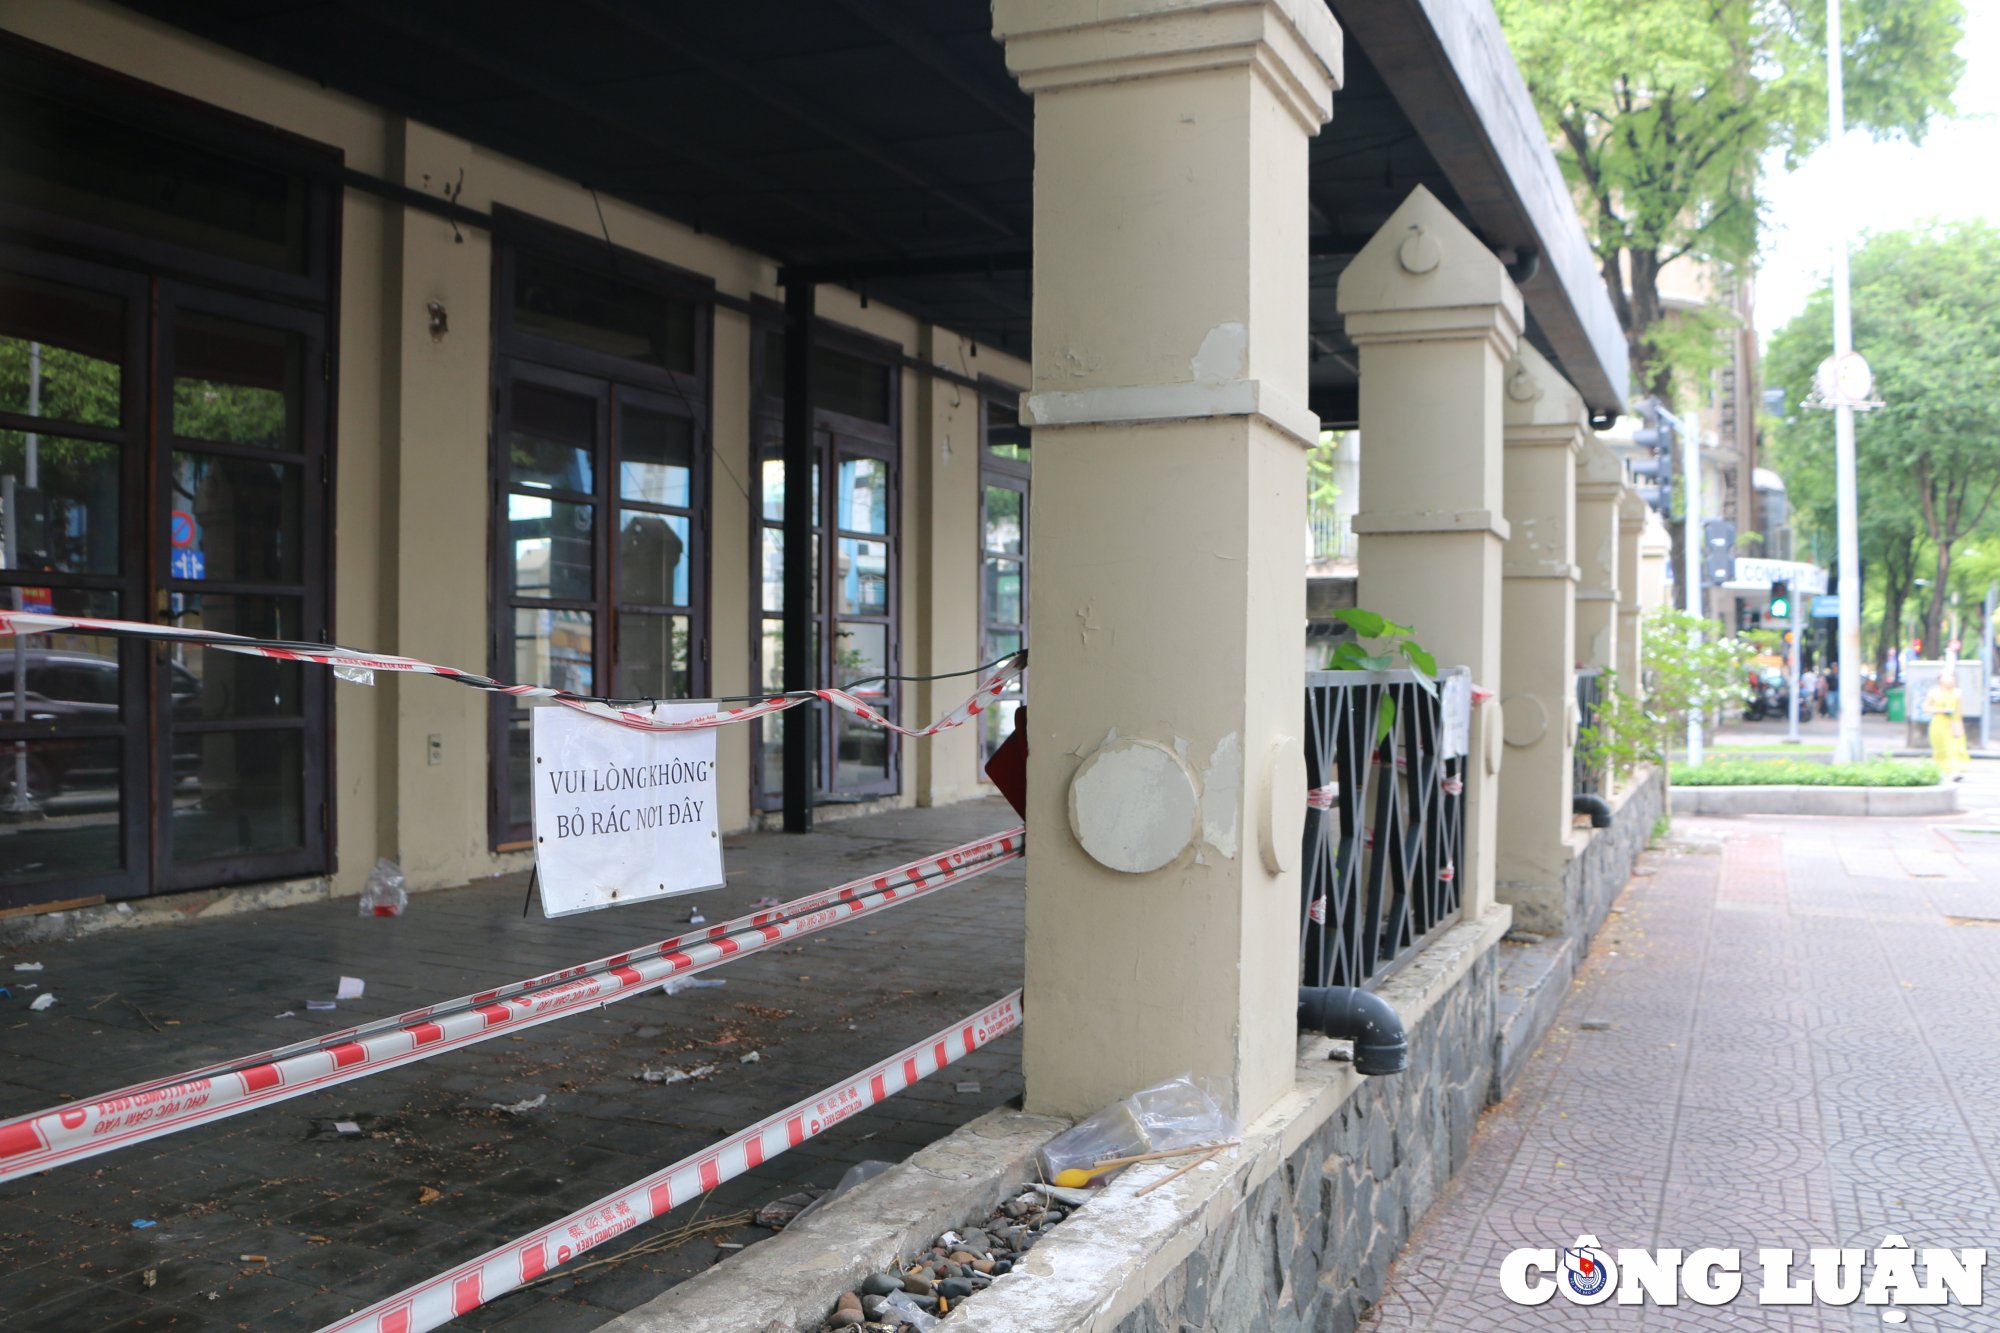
x=429 y=1195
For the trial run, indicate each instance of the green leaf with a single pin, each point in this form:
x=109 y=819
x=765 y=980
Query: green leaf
x=1421 y=660
x=1367 y=624
x=1385 y=717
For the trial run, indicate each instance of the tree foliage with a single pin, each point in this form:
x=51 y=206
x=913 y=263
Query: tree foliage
x=1690 y=665
x=1664 y=110
x=1927 y=317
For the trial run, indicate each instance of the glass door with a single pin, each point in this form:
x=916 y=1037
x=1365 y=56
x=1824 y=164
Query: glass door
x=239 y=485
x=162 y=457
x=73 y=449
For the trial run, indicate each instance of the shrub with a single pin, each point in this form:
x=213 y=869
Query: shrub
x=1806 y=773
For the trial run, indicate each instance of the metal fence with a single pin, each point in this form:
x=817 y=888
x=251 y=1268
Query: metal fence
x=1385 y=832
x=1589 y=693
x=1332 y=534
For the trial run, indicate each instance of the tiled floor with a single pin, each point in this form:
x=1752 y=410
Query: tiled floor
x=1785 y=1037
x=338 y=1219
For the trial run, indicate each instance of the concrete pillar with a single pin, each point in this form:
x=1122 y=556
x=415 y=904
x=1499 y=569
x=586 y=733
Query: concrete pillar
x=1166 y=777
x=1545 y=427
x=1437 y=320
x=944 y=569
x=1644 y=547
x=1600 y=493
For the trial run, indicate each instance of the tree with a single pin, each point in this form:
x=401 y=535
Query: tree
x=1927 y=317
x=1664 y=110
x=1691 y=666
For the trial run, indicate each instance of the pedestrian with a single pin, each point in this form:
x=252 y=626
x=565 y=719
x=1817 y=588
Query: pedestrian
x=1947 y=711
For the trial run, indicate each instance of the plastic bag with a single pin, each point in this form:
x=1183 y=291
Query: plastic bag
x=1173 y=1114
x=858 y=1174
x=384 y=894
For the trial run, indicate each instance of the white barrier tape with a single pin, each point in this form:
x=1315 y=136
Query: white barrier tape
x=80 y=1129
x=441 y=1299
x=992 y=683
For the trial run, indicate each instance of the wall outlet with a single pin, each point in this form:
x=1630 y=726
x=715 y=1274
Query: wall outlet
x=436 y=752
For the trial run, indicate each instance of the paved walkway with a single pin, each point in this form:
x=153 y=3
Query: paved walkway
x=341 y=1221
x=1788 y=1035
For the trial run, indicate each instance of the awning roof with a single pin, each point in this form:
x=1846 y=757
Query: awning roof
x=881 y=140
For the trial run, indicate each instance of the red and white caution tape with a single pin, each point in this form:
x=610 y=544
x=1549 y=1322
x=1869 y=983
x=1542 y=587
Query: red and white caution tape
x=436 y=1302
x=80 y=1129
x=992 y=683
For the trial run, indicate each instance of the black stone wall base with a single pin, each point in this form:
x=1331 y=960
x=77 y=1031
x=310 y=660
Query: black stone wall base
x=1311 y=1247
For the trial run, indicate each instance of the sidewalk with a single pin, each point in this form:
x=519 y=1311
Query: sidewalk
x=341 y=1220
x=1784 y=1037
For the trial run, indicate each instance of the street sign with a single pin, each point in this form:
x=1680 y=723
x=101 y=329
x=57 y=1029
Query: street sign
x=1763 y=573
x=1826 y=606
x=187 y=564
x=183 y=529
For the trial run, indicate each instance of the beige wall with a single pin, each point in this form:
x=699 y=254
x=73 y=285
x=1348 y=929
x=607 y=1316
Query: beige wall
x=411 y=450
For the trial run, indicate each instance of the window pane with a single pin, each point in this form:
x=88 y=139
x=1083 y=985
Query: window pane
x=1004 y=528
x=997 y=724
x=859 y=652
x=652 y=558
x=60 y=349
x=1006 y=437
x=238 y=793
x=552 y=542
x=88 y=165
x=849 y=385
x=236 y=383
x=656 y=462
x=1002 y=643
x=863 y=577
x=652 y=657
x=864 y=495
x=554 y=648
x=1003 y=590
x=71 y=678
x=58 y=504
x=520 y=768
x=206 y=683
x=771 y=567
x=774 y=486
x=603 y=312
x=552 y=439
x=248 y=524
x=772 y=658
x=72 y=788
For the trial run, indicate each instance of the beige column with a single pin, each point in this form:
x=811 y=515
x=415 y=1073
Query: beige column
x=945 y=568
x=1545 y=427
x=1436 y=320
x=1600 y=492
x=1642 y=580
x=1166 y=780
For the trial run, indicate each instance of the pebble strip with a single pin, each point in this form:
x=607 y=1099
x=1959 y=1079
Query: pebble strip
x=925 y=1286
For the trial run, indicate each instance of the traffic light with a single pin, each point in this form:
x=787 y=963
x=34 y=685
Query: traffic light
x=1718 y=556
x=1781 y=601
x=1652 y=476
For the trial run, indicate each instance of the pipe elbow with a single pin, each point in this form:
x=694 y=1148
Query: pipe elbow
x=1348 y=1013
x=1596 y=807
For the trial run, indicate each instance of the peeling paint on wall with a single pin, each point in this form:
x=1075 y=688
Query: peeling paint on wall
x=1221 y=790
x=1224 y=354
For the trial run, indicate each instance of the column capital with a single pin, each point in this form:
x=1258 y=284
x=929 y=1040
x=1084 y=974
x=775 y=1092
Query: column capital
x=1424 y=277
x=1294 y=46
x=1542 y=407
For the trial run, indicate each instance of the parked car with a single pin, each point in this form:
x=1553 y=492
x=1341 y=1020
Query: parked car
x=70 y=689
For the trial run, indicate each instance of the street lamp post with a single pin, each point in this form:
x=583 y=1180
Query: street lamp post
x=1847 y=519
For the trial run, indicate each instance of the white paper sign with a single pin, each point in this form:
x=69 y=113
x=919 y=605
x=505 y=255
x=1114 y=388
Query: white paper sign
x=623 y=816
x=1457 y=699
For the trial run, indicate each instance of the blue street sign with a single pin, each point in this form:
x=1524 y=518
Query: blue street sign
x=187 y=564
x=1826 y=606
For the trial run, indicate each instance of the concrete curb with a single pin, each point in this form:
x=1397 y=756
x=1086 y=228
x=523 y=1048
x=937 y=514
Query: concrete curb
x=1847 y=802
x=787 y=1284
